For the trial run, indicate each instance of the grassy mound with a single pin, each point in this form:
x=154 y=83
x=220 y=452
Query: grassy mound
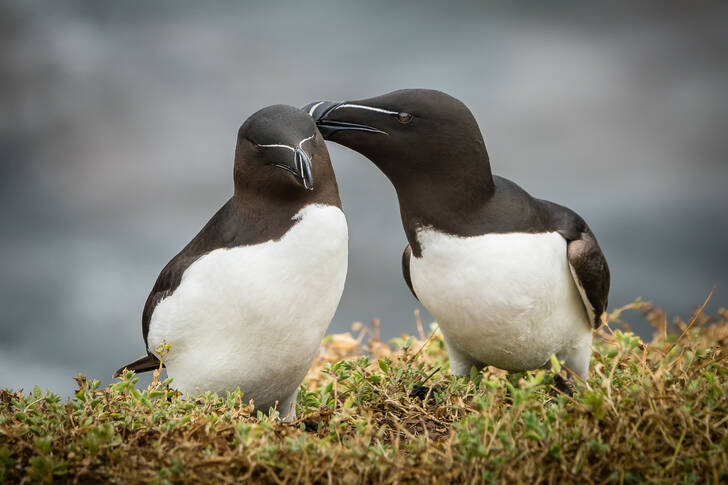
x=652 y=412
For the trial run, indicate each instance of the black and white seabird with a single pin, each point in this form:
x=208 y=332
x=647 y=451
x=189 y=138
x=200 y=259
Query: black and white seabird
x=510 y=279
x=248 y=300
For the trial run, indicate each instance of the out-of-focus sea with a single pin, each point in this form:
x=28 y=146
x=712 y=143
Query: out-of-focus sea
x=118 y=124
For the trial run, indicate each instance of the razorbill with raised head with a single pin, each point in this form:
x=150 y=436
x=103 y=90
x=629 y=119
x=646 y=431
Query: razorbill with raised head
x=510 y=279
x=248 y=300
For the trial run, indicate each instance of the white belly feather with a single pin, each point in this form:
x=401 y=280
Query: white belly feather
x=506 y=300
x=254 y=316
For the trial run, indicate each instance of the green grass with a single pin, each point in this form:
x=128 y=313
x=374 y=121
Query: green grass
x=652 y=412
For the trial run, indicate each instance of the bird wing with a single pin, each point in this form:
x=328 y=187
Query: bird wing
x=406 y=255
x=216 y=233
x=167 y=281
x=586 y=261
x=591 y=275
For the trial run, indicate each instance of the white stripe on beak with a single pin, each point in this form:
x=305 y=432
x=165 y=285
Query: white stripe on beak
x=313 y=108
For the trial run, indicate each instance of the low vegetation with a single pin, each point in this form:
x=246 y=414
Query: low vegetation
x=650 y=412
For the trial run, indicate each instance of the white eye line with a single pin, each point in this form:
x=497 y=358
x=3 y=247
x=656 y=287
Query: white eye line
x=300 y=143
x=369 y=108
x=278 y=145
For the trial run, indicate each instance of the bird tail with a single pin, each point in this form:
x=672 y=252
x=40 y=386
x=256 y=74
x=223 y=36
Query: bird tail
x=145 y=364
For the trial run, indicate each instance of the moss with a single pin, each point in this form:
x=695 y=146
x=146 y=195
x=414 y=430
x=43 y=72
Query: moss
x=652 y=412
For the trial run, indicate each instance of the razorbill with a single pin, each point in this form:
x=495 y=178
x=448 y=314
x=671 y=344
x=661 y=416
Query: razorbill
x=510 y=279
x=248 y=300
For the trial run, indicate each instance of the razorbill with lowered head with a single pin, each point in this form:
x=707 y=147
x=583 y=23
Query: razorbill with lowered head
x=248 y=300
x=510 y=279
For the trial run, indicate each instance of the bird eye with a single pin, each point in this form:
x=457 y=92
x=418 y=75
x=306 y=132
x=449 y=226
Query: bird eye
x=404 y=117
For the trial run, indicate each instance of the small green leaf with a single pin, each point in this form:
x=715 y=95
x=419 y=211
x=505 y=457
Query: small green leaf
x=555 y=364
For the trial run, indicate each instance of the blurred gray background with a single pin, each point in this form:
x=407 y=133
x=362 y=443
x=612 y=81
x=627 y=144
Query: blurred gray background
x=118 y=124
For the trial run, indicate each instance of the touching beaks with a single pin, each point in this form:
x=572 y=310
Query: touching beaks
x=320 y=111
x=301 y=168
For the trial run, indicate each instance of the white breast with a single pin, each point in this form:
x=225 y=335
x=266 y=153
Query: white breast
x=506 y=300
x=254 y=316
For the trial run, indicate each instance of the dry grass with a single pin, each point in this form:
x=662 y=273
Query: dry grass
x=649 y=413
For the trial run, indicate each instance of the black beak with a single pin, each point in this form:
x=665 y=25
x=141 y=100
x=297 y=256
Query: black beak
x=301 y=168
x=302 y=162
x=320 y=111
